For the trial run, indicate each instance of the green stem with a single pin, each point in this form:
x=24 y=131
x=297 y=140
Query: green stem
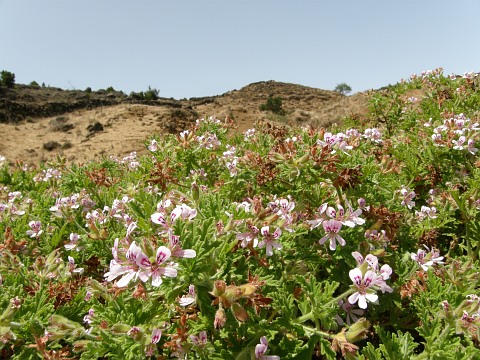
x=270 y=318
x=339 y=193
x=309 y=330
x=339 y=297
x=471 y=254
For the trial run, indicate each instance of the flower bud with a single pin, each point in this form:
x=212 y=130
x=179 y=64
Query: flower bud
x=303 y=159
x=358 y=331
x=195 y=191
x=120 y=328
x=219 y=288
x=63 y=323
x=220 y=319
x=239 y=312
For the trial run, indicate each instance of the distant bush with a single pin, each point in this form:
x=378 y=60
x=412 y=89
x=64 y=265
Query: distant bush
x=110 y=89
x=149 y=95
x=88 y=90
x=273 y=104
x=34 y=84
x=7 y=78
x=136 y=96
x=343 y=88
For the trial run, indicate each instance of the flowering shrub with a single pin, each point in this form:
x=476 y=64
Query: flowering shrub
x=359 y=242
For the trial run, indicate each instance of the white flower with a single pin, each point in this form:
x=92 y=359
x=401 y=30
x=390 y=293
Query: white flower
x=364 y=285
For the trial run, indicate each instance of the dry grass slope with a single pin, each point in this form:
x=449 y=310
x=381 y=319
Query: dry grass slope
x=47 y=122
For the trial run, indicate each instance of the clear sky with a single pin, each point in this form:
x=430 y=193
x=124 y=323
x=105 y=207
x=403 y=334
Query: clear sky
x=189 y=48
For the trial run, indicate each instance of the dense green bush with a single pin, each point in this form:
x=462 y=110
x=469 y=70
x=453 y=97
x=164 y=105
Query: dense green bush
x=273 y=104
x=148 y=95
x=7 y=78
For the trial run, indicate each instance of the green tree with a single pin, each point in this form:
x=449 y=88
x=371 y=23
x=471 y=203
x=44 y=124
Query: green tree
x=273 y=104
x=7 y=78
x=343 y=88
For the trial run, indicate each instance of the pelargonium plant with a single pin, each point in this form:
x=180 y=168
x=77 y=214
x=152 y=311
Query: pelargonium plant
x=359 y=241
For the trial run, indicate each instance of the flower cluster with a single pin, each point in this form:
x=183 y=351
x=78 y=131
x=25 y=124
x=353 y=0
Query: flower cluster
x=373 y=134
x=130 y=160
x=14 y=206
x=332 y=221
x=47 y=175
x=367 y=278
x=465 y=318
x=134 y=263
x=131 y=261
x=66 y=205
x=426 y=212
x=428 y=258
x=230 y=160
x=335 y=141
x=208 y=141
x=456 y=132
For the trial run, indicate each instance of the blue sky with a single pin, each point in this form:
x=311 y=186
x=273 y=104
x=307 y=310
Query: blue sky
x=189 y=48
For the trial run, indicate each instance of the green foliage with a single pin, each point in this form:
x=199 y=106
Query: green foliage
x=149 y=95
x=343 y=88
x=7 y=78
x=250 y=222
x=273 y=104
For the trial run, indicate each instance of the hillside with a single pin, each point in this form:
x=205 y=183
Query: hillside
x=38 y=123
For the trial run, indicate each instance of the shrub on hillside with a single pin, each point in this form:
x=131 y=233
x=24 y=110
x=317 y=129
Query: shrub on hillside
x=7 y=78
x=273 y=104
x=149 y=95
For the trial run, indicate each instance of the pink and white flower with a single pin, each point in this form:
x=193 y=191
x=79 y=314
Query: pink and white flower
x=200 y=340
x=352 y=313
x=160 y=268
x=364 y=286
x=332 y=228
x=268 y=240
x=156 y=336
x=374 y=279
x=190 y=298
x=261 y=349
x=35 y=229
x=408 y=197
x=425 y=212
x=74 y=239
x=153 y=146
x=249 y=236
x=72 y=267
x=137 y=265
x=321 y=217
x=427 y=259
